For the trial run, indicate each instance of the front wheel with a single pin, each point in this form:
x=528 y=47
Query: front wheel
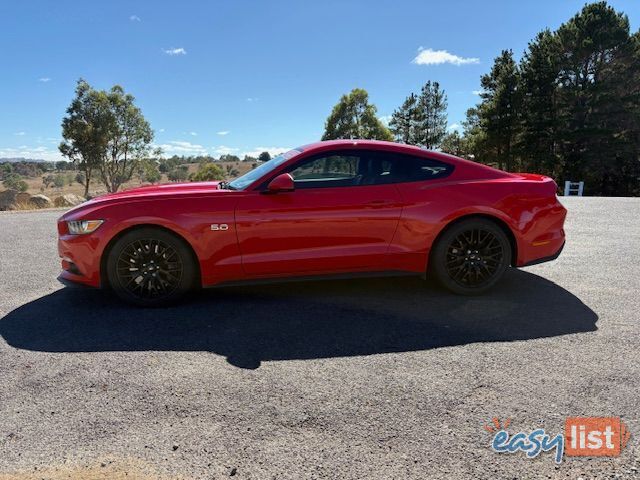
x=150 y=267
x=471 y=256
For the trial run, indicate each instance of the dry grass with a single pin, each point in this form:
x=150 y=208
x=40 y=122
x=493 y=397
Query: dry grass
x=24 y=206
x=35 y=184
x=110 y=469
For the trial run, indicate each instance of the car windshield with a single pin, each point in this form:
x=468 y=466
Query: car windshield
x=248 y=178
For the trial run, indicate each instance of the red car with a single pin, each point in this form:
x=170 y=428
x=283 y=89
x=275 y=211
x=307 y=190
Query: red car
x=326 y=209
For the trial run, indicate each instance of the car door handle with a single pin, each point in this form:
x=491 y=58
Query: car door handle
x=380 y=203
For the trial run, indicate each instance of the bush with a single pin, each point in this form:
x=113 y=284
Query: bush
x=207 y=172
x=15 y=182
x=58 y=181
x=177 y=175
x=21 y=186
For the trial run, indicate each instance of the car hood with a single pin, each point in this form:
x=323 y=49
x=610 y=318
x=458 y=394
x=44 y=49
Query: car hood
x=164 y=189
x=152 y=192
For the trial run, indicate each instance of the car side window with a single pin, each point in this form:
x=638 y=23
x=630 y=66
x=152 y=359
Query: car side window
x=339 y=170
x=402 y=168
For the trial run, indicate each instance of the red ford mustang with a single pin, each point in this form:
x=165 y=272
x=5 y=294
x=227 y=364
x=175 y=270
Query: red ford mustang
x=326 y=209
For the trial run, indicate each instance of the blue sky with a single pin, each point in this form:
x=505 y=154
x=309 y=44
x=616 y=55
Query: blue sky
x=239 y=76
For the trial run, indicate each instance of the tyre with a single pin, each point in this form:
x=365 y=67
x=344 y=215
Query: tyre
x=471 y=256
x=150 y=267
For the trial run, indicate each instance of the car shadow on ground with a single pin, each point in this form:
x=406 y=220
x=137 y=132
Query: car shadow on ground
x=302 y=320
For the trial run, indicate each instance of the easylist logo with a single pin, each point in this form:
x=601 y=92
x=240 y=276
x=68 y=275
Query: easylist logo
x=582 y=437
x=595 y=436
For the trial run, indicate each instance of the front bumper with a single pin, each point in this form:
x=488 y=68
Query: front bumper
x=80 y=259
x=72 y=283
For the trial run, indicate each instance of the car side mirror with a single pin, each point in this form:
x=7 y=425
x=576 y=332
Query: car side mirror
x=282 y=183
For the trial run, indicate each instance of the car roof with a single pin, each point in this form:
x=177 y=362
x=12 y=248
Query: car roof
x=325 y=145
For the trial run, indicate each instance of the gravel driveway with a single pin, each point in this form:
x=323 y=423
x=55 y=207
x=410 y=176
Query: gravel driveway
x=383 y=378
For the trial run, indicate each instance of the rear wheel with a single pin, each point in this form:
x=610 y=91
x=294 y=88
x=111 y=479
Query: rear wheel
x=150 y=267
x=471 y=256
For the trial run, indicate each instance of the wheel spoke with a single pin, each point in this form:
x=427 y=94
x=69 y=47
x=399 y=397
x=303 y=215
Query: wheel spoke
x=474 y=257
x=149 y=268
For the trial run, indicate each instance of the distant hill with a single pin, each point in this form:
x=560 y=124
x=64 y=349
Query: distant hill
x=21 y=159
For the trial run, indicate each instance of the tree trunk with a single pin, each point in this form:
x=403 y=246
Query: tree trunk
x=87 y=179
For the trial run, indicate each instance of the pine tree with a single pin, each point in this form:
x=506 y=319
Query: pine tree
x=594 y=52
x=454 y=144
x=539 y=68
x=402 y=121
x=498 y=112
x=430 y=119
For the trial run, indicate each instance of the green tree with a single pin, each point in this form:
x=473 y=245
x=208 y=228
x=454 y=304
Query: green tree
x=454 y=144
x=13 y=181
x=129 y=136
x=571 y=109
x=598 y=97
x=58 y=181
x=226 y=158
x=475 y=138
x=264 y=157
x=79 y=178
x=206 y=172
x=402 y=123
x=539 y=69
x=430 y=116
x=178 y=174
x=47 y=180
x=499 y=109
x=85 y=132
x=105 y=131
x=148 y=171
x=354 y=117
x=6 y=169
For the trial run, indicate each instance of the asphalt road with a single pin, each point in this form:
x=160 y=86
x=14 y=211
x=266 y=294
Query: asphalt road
x=385 y=378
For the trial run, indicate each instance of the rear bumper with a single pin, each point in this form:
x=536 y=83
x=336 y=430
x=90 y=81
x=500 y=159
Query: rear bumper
x=545 y=259
x=542 y=237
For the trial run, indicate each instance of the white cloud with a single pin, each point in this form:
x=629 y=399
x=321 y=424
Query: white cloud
x=161 y=130
x=44 y=79
x=252 y=152
x=224 y=150
x=454 y=126
x=177 y=147
x=252 y=99
x=273 y=151
x=193 y=134
x=223 y=132
x=175 y=51
x=476 y=92
x=20 y=134
x=134 y=18
x=385 y=119
x=438 y=57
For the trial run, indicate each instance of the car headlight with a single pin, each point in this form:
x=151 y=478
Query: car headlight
x=80 y=227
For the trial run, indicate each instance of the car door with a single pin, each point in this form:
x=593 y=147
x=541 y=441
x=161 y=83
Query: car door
x=332 y=222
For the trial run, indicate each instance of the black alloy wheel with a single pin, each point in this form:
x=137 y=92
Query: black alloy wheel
x=471 y=256
x=150 y=267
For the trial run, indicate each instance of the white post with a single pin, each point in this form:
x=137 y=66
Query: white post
x=573 y=187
